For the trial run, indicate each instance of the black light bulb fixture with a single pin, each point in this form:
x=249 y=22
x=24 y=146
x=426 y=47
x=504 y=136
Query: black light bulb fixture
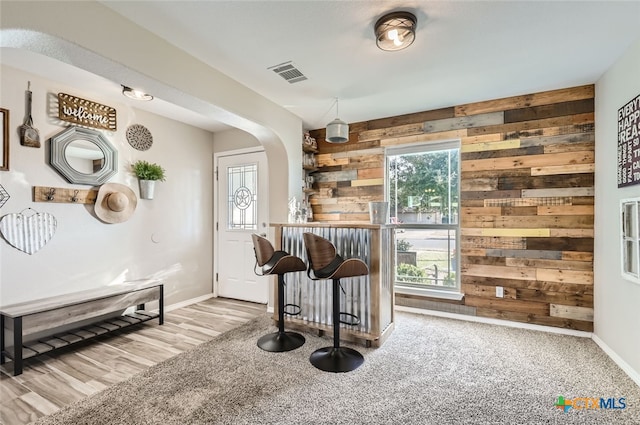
x=135 y=94
x=395 y=31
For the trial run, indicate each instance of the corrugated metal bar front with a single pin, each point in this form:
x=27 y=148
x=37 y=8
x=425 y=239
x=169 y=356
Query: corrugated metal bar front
x=315 y=297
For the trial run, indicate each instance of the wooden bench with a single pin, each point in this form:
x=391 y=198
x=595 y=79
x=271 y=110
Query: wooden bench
x=38 y=316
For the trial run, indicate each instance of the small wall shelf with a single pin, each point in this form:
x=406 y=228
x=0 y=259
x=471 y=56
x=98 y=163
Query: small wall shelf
x=309 y=166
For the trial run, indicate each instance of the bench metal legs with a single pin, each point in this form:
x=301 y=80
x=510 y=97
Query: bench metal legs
x=2 y=359
x=17 y=343
x=17 y=346
x=160 y=305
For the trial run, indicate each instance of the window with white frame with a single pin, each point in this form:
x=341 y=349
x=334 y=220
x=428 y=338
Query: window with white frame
x=423 y=189
x=629 y=214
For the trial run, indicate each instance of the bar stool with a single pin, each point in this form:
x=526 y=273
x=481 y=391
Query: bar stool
x=327 y=264
x=279 y=263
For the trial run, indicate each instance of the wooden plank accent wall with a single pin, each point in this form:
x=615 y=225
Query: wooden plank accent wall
x=527 y=187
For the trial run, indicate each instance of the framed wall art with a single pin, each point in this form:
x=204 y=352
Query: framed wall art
x=4 y=143
x=629 y=143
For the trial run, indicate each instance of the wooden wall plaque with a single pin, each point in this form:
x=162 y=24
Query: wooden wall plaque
x=629 y=143
x=85 y=112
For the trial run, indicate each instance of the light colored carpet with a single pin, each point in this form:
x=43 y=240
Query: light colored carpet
x=431 y=370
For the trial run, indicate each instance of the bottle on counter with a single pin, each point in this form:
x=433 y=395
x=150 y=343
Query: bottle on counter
x=309 y=213
x=302 y=214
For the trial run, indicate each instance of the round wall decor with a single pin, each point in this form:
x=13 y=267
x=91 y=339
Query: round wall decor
x=139 y=137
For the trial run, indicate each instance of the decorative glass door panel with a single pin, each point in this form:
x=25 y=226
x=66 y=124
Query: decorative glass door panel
x=243 y=197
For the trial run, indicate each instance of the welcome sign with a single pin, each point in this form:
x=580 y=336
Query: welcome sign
x=85 y=112
x=629 y=143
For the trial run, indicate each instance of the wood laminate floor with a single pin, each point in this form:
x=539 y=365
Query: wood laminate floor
x=52 y=381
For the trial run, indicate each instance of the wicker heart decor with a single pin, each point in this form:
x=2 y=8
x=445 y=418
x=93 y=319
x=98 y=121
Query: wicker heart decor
x=28 y=233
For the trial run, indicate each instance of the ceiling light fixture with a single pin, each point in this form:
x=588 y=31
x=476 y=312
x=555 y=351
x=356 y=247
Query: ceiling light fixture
x=395 y=31
x=337 y=130
x=135 y=94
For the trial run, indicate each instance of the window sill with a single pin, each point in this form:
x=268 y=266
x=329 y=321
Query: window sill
x=431 y=293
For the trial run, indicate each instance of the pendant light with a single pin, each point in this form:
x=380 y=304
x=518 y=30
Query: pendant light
x=337 y=130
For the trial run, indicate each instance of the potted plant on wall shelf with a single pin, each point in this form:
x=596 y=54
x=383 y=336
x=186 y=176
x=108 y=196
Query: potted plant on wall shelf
x=148 y=174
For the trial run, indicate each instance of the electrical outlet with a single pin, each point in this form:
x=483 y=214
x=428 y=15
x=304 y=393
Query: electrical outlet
x=499 y=292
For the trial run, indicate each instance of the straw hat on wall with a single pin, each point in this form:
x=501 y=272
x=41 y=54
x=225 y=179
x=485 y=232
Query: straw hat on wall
x=115 y=203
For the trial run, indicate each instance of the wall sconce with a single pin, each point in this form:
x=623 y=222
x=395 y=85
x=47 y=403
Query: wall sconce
x=395 y=31
x=337 y=130
x=135 y=94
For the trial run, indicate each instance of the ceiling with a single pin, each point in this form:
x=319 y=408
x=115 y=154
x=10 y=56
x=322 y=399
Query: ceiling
x=465 y=51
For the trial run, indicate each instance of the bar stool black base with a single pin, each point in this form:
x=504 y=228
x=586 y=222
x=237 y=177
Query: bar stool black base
x=279 y=342
x=332 y=359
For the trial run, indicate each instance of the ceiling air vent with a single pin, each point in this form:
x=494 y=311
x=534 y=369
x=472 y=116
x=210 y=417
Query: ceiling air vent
x=289 y=72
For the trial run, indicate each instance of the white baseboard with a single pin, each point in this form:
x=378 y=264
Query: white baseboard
x=633 y=374
x=201 y=298
x=431 y=293
x=498 y=322
x=187 y=302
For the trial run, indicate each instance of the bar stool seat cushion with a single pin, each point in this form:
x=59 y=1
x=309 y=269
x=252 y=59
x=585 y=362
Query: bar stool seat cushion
x=282 y=262
x=340 y=268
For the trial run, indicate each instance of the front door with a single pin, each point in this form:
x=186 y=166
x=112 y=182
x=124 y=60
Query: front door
x=242 y=206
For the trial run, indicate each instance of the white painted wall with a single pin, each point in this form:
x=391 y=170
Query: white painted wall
x=616 y=300
x=233 y=139
x=122 y=52
x=87 y=253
